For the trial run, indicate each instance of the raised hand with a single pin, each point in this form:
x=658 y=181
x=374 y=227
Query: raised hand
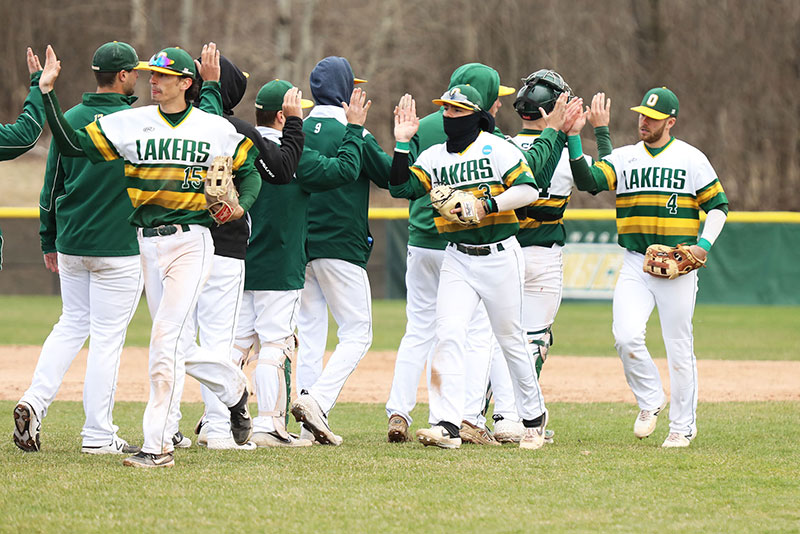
x=406 y=121
x=555 y=119
x=574 y=116
x=292 y=105
x=358 y=108
x=33 y=61
x=52 y=66
x=600 y=112
x=208 y=66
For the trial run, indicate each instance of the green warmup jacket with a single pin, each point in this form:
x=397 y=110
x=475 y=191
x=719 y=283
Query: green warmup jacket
x=338 y=225
x=84 y=207
x=277 y=256
x=18 y=138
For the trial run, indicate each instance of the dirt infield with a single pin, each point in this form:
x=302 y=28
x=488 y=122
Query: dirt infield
x=566 y=378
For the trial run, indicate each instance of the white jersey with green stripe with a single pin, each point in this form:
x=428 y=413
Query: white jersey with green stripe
x=166 y=164
x=545 y=223
x=660 y=193
x=487 y=167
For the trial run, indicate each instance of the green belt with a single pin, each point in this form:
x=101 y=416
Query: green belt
x=167 y=229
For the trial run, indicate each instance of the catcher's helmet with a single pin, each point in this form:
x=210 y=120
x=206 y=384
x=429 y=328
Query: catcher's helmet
x=541 y=90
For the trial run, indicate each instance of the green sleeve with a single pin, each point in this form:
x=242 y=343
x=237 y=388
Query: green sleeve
x=70 y=142
x=21 y=136
x=545 y=175
x=603 y=137
x=540 y=151
x=52 y=189
x=317 y=173
x=591 y=179
x=249 y=180
x=210 y=99
x=377 y=163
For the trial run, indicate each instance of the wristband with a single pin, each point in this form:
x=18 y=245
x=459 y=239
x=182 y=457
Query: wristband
x=402 y=146
x=705 y=244
x=490 y=204
x=574 y=147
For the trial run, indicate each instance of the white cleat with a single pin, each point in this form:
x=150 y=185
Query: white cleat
x=677 y=440
x=438 y=436
x=306 y=410
x=222 y=444
x=646 y=421
x=534 y=437
x=117 y=446
x=273 y=439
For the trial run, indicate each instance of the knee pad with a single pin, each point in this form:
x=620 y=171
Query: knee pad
x=283 y=363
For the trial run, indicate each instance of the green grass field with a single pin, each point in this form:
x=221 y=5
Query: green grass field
x=742 y=474
x=581 y=328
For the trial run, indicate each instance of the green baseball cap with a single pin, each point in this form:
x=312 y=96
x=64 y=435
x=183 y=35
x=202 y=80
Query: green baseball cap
x=659 y=103
x=270 y=96
x=114 y=57
x=461 y=96
x=175 y=61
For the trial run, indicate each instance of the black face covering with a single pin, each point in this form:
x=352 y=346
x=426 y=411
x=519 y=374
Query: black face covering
x=462 y=131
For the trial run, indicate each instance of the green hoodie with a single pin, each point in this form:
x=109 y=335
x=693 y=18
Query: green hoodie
x=421 y=228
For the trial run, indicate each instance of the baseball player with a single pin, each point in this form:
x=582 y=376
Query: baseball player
x=339 y=245
x=425 y=254
x=167 y=149
x=661 y=184
x=542 y=235
x=481 y=263
x=276 y=259
x=21 y=136
x=223 y=290
x=87 y=239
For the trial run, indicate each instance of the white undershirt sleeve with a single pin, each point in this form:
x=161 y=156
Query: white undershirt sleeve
x=517 y=196
x=715 y=220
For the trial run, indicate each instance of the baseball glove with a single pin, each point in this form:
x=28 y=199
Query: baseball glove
x=670 y=262
x=445 y=198
x=222 y=199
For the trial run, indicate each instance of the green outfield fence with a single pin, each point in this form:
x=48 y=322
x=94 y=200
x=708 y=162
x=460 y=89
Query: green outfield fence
x=754 y=261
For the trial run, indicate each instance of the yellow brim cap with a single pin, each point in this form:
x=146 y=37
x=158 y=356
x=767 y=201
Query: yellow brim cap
x=504 y=90
x=143 y=65
x=462 y=105
x=305 y=104
x=649 y=112
x=358 y=80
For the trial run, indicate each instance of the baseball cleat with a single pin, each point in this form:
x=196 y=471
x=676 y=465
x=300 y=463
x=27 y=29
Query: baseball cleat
x=306 y=410
x=27 y=427
x=476 y=435
x=147 y=460
x=438 y=436
x=646 y=421
x=179 y=441
x=534 y=436
x=675 y=439
x=220 y=444
x=241 y=424
x=273 y=439
x=202 y=435
x=117 y=446
x=398 y=429
x=507 y=431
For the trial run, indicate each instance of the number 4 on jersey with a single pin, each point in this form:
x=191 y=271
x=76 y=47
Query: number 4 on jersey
x=672 y=204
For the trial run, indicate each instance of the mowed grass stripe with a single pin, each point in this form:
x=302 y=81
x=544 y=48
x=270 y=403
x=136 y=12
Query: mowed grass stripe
x=581 y=328
x=740 y=475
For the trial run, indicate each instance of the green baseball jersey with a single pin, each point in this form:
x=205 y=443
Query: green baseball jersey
x=84 y=207
x=338 y=225
x=659 y=192
x=277 y=256
x=21 y=136
x=166 y=158
x=487 y=167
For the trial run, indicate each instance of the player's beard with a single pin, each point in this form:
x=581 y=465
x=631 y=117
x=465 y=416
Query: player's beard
x=653 y=136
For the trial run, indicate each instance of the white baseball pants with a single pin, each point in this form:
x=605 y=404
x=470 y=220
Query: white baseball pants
x=344 y=288
x=496 y=280
x=422 y=282
x=222 y=292
x=99 y=297
x=635 y=296
x=175 y=269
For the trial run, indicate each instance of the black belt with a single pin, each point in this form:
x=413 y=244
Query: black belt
x=484 y=250
x=167 y=229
